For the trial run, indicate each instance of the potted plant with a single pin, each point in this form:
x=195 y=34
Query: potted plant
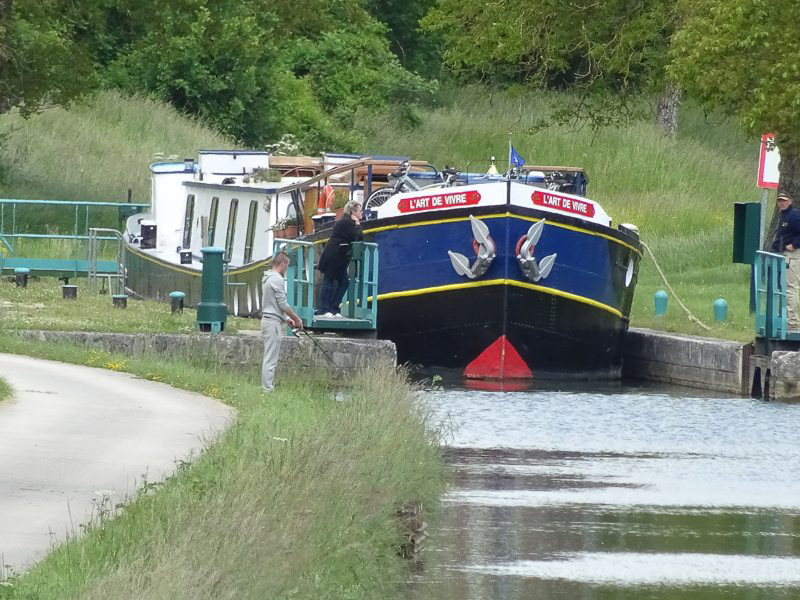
x=340 y=197
x=286 y=228
x=263 y=174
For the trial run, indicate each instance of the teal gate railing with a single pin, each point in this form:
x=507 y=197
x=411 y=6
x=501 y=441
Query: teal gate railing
x=299 y=277
x=360 y=308
x=769 y=284
x=362 y=295
x=16 y=225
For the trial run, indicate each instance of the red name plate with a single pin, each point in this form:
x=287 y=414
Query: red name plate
x=571 y=205
x=438 y=201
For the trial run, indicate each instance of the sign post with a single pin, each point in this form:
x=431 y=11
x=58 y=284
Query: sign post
x=768 y=175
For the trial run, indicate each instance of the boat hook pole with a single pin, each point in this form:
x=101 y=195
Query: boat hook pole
x=341 y=371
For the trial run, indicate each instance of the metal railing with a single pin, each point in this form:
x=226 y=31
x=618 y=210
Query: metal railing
x=362 y=293
x=94 y=273
x=360 y=306
x=15 y=226
x=769 y=284
x=299 y=276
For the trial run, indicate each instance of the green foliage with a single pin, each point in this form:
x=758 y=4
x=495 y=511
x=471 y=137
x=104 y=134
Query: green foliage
x=254 y=69
x=612 y=44
x=42 y=61
x=736 y=57
x=263 y=174
x=353 y=68
x=417 y=50
x=211 y=59
x=591 y=47
x=341 y=196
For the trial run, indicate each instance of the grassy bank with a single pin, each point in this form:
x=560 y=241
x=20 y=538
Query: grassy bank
x=680 y=193
x=41 y=306
x=5 y=389
x=296 y=500
x=97 y=150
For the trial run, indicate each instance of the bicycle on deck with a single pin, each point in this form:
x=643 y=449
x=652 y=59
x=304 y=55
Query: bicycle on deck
x=401 y=182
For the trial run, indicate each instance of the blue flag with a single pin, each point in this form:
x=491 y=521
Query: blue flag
x=514 y=158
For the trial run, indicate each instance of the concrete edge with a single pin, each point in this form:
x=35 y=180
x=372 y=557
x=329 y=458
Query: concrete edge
x=692 y=361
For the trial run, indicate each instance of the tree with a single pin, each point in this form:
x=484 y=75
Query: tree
x=608 y=52
x=353 y=68
x=42 y=62
x=255 y=69
x=215 y=60
x=416 y=50
x=742 y=58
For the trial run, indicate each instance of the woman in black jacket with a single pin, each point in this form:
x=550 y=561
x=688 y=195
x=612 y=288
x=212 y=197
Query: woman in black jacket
x=336 y=258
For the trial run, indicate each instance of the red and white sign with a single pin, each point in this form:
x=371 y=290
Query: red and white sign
x=564 y=203
x=768 y=160
x=451 y=200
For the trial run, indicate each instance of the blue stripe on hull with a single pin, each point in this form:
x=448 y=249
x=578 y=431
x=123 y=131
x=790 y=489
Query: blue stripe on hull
x=589 y=266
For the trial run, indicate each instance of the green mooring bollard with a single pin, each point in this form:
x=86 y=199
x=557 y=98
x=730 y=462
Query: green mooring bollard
x=720 y=309
x=21 y=276
x=176 y=299
x=660 y=300
x=212 y=311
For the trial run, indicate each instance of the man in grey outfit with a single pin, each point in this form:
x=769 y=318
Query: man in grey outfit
x=274 y=312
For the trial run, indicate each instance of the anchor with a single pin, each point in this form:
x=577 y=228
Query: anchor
x=532 y=269
x=485 y=250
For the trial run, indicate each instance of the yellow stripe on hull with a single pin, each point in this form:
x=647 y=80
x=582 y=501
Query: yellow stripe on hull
x=512 y=282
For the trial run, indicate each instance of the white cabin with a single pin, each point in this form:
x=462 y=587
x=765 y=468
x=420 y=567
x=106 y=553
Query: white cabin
x=219 y=200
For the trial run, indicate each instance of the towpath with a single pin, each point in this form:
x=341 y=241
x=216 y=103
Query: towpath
x=72 y=434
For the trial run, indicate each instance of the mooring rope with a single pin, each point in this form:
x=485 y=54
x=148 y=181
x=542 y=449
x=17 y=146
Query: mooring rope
x=669 y=287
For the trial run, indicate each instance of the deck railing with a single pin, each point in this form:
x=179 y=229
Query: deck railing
x=359 y=309
x=299 y=276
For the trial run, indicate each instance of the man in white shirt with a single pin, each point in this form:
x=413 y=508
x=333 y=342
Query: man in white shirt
x=275 y=312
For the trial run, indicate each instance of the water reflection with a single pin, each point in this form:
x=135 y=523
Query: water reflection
x=616 y=493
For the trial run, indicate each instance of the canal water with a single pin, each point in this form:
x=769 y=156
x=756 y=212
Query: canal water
x=615 y=493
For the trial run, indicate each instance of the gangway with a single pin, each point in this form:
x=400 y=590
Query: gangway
x=359 y=310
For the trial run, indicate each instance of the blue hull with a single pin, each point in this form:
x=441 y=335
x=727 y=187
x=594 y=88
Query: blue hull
x=573 y=320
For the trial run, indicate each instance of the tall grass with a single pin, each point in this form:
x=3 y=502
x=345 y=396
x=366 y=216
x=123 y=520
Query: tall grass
x=5 y=389
x=96 y=150
x=296 y=500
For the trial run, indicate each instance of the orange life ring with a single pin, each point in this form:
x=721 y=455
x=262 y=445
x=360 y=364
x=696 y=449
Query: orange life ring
x=325 y=203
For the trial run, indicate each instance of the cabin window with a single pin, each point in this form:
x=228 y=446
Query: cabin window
x=187 y=222
x=251 y=231
x=231 y=228
x=212 y=220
